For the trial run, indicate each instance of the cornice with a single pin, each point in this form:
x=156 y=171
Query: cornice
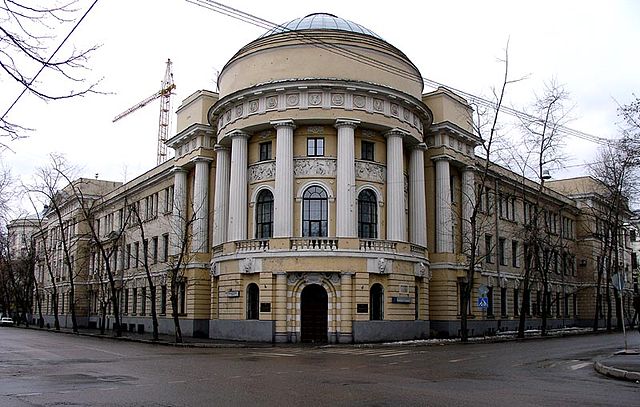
x=293 y=95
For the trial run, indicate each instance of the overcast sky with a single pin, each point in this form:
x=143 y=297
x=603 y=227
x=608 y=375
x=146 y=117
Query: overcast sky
x=590 y=47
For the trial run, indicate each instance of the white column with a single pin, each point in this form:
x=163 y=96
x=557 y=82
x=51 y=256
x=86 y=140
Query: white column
x=283 y=199
x=221 y=197
x=238 y=187
x=179 y=208
x=417 y=205
x=346 y=220
x=395 y=186
x=468 y=202
x=201 y=206
x=444 y=233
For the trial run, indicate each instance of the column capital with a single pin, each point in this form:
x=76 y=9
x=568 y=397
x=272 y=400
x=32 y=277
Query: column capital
x=396 y=132
x=342 y=122
x=237 y=134
x=178 y=169
x=220 y=147
x=202 y=159
x=469 y=167
x=283 y=123
x=420 y=146
x=441 y=158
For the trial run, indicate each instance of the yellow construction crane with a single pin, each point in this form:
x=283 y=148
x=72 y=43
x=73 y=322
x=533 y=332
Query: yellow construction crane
x=164 y=94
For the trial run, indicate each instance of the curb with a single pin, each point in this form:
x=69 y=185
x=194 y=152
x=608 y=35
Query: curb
x=616 y=373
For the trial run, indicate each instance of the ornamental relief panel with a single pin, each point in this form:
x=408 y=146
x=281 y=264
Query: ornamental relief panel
x=313 y=278
x=262 y=171
x=314 y=167
x=369 y=171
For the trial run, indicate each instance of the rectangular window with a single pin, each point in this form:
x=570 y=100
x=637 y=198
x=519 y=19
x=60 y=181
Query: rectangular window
x=165 y=247
x=168 y=199
x=516 y=299
x=367 y=150
x=514 y=254
x=265 y=151
x=154 y=249
x=315 y=147
x=145 y=251
x=163 y=299
x=526 y=302
x=136 y=254
x=126 y=301
x=135 y=300
x=182 y=297
x=500 y=205
x=127 y=261
x=488 y=247
x=143 y=300
x=502 y=251
x=503 y=302
x=490 y=302
x=513 y=209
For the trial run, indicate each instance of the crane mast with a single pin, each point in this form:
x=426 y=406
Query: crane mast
x=164 y=120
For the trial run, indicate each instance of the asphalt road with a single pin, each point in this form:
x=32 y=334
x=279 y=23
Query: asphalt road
x=40 y=368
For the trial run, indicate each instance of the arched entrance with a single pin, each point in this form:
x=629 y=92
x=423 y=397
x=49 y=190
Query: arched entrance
x=313 y=314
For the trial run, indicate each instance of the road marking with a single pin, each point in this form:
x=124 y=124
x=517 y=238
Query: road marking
x=273 y=355
x=456 y=360
x=107 y=388
x=580 y=365
x=389 y=355
x=28 y=394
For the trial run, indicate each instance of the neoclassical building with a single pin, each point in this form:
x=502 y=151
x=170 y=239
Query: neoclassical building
x=323 y=196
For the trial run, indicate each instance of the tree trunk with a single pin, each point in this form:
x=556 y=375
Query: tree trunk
x=174 y=307
x=154 y=314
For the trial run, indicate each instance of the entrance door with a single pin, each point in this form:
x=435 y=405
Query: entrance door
x=313 y=309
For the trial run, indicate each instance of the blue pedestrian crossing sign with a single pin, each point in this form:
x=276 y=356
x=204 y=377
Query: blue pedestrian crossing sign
x=483 y=302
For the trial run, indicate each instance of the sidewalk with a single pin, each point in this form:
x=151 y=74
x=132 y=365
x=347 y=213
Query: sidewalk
x=163 y=340
x=621 y=365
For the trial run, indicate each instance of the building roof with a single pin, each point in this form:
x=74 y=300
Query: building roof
x=320 y=21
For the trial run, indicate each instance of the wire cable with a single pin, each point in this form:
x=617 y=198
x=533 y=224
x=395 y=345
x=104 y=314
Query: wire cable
x=364 y=59
x=28 y=85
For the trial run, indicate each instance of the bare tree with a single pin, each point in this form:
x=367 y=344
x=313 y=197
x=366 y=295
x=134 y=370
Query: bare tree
x=28 y=49
x=540 y=151
x=616 y=169
x=486 y=127
x=107 y=247
x=135 y=213
x=49 y=184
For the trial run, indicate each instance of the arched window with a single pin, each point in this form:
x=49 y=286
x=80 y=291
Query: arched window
x=376 y=302
x=264 y=215
x=253 y=299
x=367 y=215
x=314 y=212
